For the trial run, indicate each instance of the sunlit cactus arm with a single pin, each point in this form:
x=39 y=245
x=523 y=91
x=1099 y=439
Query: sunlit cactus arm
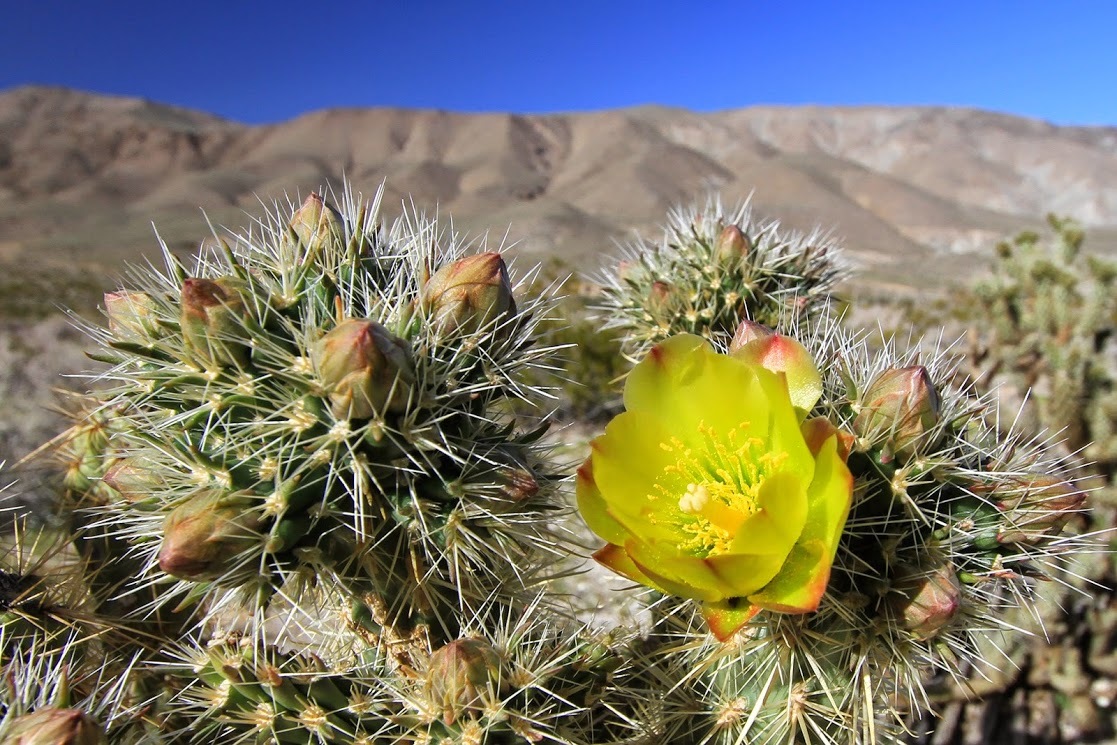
x=713 y=268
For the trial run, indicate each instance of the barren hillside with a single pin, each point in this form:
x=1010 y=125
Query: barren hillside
x=82 y=176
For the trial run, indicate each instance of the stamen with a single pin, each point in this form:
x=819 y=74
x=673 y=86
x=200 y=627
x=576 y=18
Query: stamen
x=697 y=501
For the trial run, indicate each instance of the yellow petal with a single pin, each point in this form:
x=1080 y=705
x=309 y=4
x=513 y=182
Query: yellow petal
x=685 y=576
x=782 y=354
x=801 y=583
x=725 y=621
x=593 y=508
x=615 y=558
x=687 y=386
x=628 y=462
x=778 y=524
x=784 y=433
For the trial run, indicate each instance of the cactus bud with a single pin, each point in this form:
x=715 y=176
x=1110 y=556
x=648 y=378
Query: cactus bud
x=364 y=368
x=131 y=314
x=659 y=296
x=55 y=726
x=202 y=538
x=133 y=478
x=731 y=244
x=900 y=406
x=925 y=603
x=470 y=293
x=782 y=354
x=211 y=313
x=748 y=331
x=1038 y=505
x=316 y=223
x=460 y=676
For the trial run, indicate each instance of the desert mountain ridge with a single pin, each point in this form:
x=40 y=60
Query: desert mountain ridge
x=83 y=176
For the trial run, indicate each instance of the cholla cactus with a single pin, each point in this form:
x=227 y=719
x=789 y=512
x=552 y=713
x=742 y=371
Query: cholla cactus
x=1048 y=315
x=303 y=475
x=712 y=269
x=318 y=408
x=826 y=625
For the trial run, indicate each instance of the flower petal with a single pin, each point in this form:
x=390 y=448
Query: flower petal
x=616 y=558
x=629 y=462
x=783 y=506
x=782 y=354
x=784 y=433
x=685 y=384
x=725 y=621
x=801 y=582
x=593 y=508
x=685 y=576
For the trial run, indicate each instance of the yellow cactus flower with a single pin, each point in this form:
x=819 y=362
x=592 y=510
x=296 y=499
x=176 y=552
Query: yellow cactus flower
x=711 y=486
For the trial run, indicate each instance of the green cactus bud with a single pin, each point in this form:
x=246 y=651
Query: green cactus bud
x=925 y=602
x=316 y=223
x=469 y=294
x=55 y=726
x=211 y=319
x=460 y=676
x=732 y=245
x=748 y=331
x=1037 y=505
x=131 y=314
x=134 y=478
x=202 y=538
x=364 y=369
x=899 y=406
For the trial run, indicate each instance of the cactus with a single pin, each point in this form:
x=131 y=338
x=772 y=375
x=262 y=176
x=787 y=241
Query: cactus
x=713 y=269
x=1041 y=334
x=1047 y=316
x=308 y=500
x=952 y=522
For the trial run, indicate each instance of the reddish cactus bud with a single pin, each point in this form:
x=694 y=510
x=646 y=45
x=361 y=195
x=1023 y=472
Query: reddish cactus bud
x=55 y=726
x=202 y=538
x=659 y=296
x=133 y=478
x=364 y=368
x=732 y=244
x=461 y=676
x=748 y=331
x=131 y=314
x=899 y=407
x=926 y=602
x=469 y=294
x=212 y=319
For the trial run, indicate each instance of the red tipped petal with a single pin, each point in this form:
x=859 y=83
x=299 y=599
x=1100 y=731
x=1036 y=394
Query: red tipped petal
x=725 y=622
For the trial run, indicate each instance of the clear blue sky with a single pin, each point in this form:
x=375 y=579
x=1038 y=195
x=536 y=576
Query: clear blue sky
x=264 y=62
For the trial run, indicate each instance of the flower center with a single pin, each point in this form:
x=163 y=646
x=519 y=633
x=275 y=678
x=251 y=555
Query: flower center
x=723 y=474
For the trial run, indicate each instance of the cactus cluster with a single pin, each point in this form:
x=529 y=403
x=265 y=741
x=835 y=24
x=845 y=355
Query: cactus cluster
x=304 y=503
x=1047 y=316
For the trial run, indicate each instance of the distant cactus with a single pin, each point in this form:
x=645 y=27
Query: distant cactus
x=1048 y=316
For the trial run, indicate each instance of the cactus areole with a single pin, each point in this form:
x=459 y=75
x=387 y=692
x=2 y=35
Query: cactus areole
x=711 y=486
